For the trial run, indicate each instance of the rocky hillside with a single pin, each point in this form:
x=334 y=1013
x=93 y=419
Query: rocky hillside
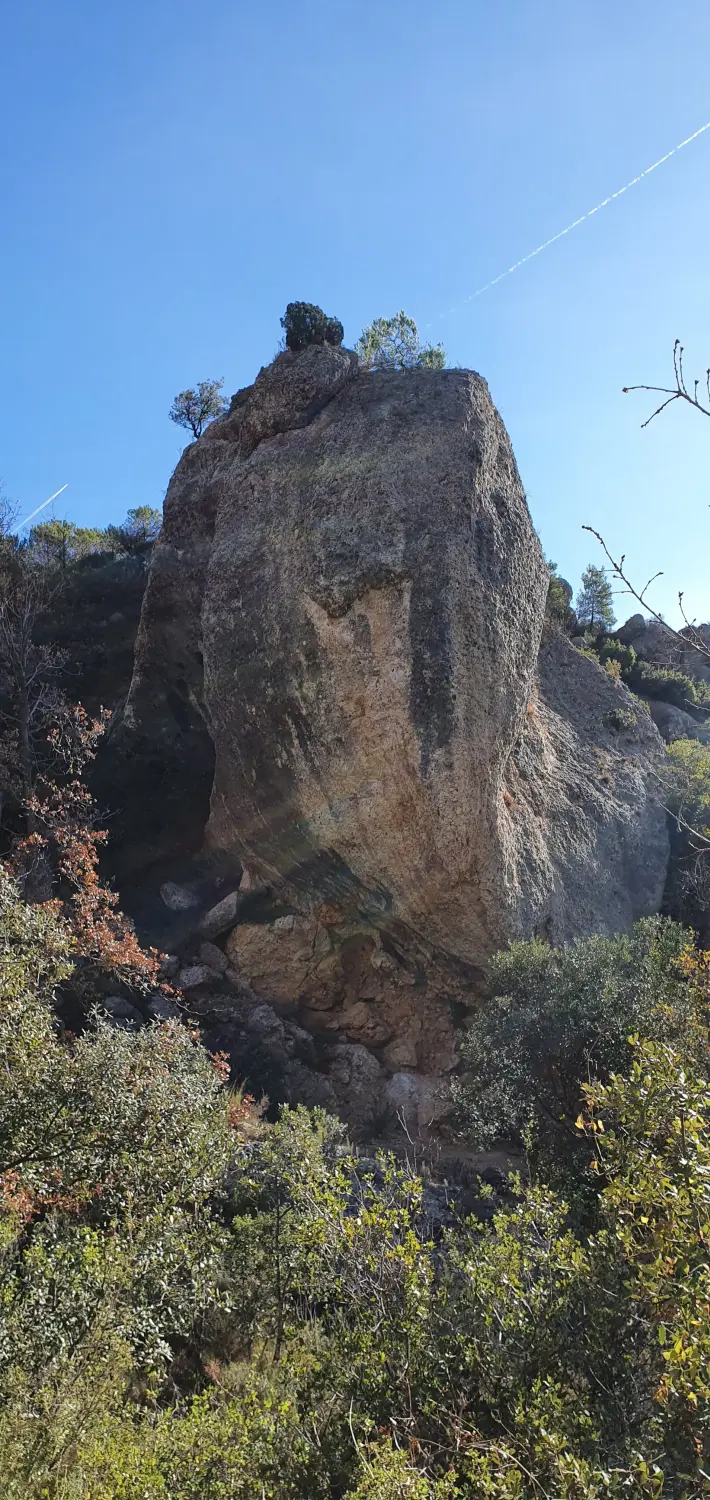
x=347 y=709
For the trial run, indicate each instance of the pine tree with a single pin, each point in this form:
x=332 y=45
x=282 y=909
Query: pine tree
x=594 y=606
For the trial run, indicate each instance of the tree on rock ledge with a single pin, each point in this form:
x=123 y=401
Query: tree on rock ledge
x=193 y=409
x=305 y=324
x=394 y=344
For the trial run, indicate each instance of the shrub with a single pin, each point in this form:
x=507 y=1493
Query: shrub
x=305 y=324
x=620 y=719
x=113 y=1149
x=194 y=1310
x=688 y=794
x=394 y=344
x=665 y=683
x=689 y=783
x=560 y=1015
x=610 y=649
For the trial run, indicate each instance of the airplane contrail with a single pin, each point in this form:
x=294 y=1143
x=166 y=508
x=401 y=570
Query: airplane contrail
x=36 y=512
x=576 y=222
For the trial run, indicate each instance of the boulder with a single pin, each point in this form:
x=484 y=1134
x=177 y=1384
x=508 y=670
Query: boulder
x=177 y=897
x=657 y=643
x=194 y=975
x=671 y=722
x=169 y=965
x=631 y=630
x=221 y=917
x=286 y=394
x=160 y=1008
x=349 y=595
x=358 y=1083
x=120 y=1009
x=214 y=957
x=274 y=1053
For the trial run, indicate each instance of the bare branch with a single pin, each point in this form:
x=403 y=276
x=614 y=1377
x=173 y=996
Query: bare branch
x=679 y=392
x=694 y=641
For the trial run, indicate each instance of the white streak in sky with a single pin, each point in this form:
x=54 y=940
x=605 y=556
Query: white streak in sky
x=36 y=512
x=576 y=222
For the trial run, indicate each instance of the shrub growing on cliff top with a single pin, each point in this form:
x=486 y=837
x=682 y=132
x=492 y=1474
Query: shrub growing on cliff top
x=394 y=344
x=193 y=409
x=305 y=324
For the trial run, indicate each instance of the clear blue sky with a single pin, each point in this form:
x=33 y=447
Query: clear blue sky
x=173 y=174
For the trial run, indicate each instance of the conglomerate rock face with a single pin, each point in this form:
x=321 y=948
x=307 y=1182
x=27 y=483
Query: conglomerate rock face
x=348 y=602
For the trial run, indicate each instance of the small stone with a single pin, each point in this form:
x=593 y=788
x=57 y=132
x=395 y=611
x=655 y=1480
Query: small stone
x=162 y=1009
x=221 y=917
x=245 y=882
x=169 y=965
x=177 y=897
x=285 y=924
x=193 y=975
x=214 y=958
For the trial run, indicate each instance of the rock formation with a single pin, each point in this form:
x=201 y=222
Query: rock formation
x=346 y=612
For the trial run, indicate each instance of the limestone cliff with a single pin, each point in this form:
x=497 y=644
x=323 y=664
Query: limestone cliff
x=346 y=609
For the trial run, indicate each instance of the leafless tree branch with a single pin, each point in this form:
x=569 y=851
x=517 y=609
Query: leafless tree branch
x=692 y=639
x=679 y=392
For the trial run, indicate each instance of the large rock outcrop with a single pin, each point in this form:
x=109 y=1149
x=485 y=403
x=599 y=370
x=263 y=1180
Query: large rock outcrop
x=348 y=604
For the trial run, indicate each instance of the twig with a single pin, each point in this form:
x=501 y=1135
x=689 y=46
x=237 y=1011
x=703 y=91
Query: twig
x=693 y=640
x=678 y=393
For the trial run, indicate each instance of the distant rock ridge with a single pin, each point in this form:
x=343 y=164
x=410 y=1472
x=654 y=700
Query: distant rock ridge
x=343 y=643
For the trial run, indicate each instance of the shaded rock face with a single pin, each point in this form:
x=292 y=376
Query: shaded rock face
x=347 y=606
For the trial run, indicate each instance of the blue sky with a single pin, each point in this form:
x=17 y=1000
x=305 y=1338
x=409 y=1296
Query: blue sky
x=172 y=175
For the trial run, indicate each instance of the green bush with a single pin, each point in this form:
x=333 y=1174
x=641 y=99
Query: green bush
x=113 y=1149
x=558 y=1016
x=394 y=344
x=689 y=783
x=620 y=719
x=610 y=649
x=665 y=683
x=527 y=1360
x=305 y=324
x=198 y=1306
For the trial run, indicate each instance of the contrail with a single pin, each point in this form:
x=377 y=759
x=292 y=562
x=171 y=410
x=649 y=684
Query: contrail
x=576 y=222
x=36 y=512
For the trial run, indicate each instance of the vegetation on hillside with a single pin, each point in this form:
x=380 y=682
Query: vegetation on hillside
x=195 y=1305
